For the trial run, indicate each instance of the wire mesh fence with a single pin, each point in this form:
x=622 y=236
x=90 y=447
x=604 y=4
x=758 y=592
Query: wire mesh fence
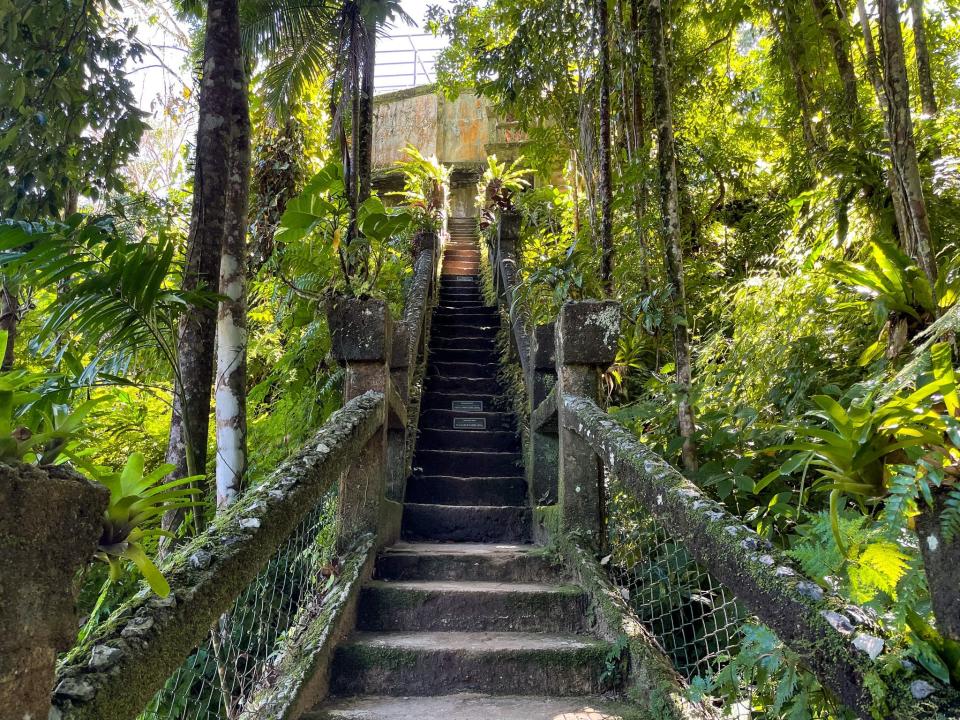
x=697 y=621
x=221 y=675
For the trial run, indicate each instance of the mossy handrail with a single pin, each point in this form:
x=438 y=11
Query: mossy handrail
x=116 y=671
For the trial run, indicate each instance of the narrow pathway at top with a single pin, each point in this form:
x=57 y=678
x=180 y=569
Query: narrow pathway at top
x=465 y=620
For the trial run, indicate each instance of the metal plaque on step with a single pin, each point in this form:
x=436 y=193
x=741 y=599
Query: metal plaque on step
x=467 y=405
x=469 y=423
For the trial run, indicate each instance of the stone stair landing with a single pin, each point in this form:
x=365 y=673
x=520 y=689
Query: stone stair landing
x=465 y=619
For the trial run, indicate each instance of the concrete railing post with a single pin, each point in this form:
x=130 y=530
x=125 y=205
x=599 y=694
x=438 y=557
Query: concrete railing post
x=362 y=334
x=544 y=443
x=587 y=334
x=50 y=523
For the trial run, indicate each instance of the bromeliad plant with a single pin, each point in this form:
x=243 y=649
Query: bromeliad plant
x=855 y=449
x=499 y=183
x=899 y=294
x=426 y=181
x=132 y=519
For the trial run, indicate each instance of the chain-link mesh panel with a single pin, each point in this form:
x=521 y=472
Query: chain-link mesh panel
x=218 y=678
x=696 y=620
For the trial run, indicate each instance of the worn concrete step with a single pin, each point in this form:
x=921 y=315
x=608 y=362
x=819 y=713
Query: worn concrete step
x=466 y=523
x=481 y=371
x=458 y=306
x=451 y=490
x=433 y=400
x=448 y=294
x=470 y=606
x=466 y=561
x=453 y=350
x=442 y=418
x=467 y=385
x=459 y=313
x=467 y=463
x=473 y=322
x=470 y=335
x=473 y=706
x=435 y=663
x=455 y=268
x=458 y=252
x=489 y=440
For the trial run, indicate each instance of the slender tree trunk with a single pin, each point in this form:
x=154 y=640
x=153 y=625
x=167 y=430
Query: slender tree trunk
x=840 y=45
x=231 y=383
x=870 y=53
x=605 y=181
x=787 y=35
x=365 y=148
x=915 y=237
x=190 y=423
x=9 y=320
x=928 y=99
x=670 y=211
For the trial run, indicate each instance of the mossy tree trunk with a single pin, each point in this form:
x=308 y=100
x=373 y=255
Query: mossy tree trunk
x=670 y=225
x=190 y=423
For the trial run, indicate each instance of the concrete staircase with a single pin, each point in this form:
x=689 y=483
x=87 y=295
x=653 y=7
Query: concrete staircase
x=464 y=619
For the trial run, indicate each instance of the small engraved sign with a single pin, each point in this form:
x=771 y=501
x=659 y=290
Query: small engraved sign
x=469 y=423
x=468 y=405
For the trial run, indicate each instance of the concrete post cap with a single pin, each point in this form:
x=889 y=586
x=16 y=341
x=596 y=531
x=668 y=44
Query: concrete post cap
x=587 y=332
x=361 y=329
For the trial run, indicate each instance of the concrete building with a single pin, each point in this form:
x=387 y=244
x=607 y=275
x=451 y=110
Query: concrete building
x=461 y=132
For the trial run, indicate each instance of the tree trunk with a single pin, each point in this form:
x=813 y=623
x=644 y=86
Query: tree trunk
x=870 y=53
x=787 y=35
x=190 y=423
x=365 y=148
x=940 y=565
x=230 y=389
x=9 y=319
x=840 y=45
x=928 y=99
x=605 y=184
x=915 y=236
x=670 y=212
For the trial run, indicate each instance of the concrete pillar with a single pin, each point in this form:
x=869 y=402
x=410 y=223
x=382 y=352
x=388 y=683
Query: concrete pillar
x=544 y=444
x=362 y=335
x=587 y=334
x=50 y=523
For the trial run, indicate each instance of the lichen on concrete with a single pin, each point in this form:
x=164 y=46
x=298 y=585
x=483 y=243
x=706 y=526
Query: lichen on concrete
x=155 y=635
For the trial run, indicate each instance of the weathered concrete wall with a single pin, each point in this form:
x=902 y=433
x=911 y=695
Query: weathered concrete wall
x=408 y=116
x=462 y=131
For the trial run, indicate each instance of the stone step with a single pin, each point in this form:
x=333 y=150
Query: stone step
x=479 y=321
x=489 y=440
x=465 y=385
x=441 y=418
x=451 y=490
x=462 y=313
x=459 y=269
x=466 y=523
x=455 y=350
x=465 y=561
x=466 y=253
x=464 y=295
x=463 y=306
x=467 y=463
x=470 y=606
x=444 y=401
x=442 y=368
x=472 y=706
x=464 y=333
x=435 y=663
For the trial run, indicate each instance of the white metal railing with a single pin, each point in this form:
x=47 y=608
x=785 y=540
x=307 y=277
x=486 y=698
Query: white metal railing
x=406 y=61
